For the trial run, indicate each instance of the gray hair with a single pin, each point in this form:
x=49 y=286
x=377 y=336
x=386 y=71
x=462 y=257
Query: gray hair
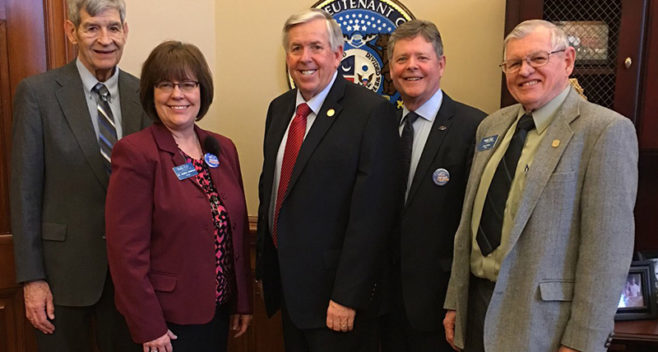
x=93 y=8
x=558 y=36
x=413 y=28
x=333 y=28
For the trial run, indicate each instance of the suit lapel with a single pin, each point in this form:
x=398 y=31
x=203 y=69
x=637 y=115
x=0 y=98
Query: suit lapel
x=319 y=129
x=440 y=129
x=73 y=103
x=131 y=108
x=544 y=162
x=498 y=128
x=219 y=174
x=165 y=142
x=278 y=123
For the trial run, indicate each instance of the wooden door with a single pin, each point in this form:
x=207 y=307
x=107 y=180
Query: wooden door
x=31 y=41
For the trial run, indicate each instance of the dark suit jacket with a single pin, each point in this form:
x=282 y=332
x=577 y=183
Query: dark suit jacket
x=431 y=214
x=58 y=183
x=159 y=234
x=339 y=207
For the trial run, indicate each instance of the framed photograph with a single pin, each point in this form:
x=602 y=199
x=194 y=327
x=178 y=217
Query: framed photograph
x=637 y=299
x=589 y=38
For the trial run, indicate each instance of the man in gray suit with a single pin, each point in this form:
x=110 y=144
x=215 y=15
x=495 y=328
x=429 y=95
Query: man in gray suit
x=65 y=124
x=546 y=234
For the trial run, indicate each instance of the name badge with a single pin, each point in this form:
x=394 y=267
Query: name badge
x=211 y=160
x=184 y=171
x=487 y=143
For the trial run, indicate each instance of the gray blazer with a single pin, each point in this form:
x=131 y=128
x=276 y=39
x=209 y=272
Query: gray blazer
x=572 y=239
x=58 y=183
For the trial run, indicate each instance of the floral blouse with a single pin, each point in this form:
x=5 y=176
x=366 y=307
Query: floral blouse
x=222 y=231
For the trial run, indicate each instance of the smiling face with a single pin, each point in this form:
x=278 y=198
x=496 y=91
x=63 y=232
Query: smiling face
x=176 y=109
x=416 y=70
x=534 y=87
x=310 y=60
x=100 y=41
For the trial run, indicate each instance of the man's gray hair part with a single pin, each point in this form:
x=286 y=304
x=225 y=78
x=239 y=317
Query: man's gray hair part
x=558 y=36
x=411 y=29
x=93 y=8
x=333 y=28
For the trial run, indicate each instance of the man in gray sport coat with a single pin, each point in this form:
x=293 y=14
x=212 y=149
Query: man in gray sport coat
x=552 y=278
x=59 y=179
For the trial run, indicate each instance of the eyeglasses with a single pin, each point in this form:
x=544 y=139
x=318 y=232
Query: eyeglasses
x=535 y=60
x=185 y=86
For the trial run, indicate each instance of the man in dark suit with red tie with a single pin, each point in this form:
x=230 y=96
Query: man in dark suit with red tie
x=329 y=193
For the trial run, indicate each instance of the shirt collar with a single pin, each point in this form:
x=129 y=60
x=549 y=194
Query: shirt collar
x=89 y=80
x=545 y=115
x=429 y=109
x=316 y=102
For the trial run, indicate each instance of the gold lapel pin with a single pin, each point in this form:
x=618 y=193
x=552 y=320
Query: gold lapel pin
x=442 y=128
x=556 y=143
x=331 y=112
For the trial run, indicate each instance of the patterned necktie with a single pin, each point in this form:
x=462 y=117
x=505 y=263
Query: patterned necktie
x=293 y=144
x=407 y=142
x=107 y=132
x=491 y=222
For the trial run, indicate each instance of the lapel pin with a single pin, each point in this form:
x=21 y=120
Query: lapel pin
x=441 y=177
x=331 y=112
x=442 y=128
x=556 y=143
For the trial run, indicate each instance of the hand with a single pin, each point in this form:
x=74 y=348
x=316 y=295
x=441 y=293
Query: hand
x=449 y=327
x=340 y=318
x=566 y=349
x=161 y=344
x=39 y=307
x=240 y=323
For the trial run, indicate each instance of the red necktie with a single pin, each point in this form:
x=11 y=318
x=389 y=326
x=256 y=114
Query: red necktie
x=294 y=142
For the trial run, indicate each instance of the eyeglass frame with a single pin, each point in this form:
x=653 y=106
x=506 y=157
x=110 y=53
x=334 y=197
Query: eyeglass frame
x=528 y=60
x=181 y=86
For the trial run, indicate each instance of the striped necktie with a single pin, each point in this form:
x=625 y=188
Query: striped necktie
x=107 y=132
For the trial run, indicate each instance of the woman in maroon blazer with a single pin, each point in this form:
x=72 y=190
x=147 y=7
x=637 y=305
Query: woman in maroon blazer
x=176 y=217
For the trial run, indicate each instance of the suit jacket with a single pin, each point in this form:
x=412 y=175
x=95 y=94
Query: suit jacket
x=572 y=240
x=431 y=214
x=159 y=234
x=58 y=183
x=340 y=204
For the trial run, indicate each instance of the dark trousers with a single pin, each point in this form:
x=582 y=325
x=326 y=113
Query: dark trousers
x=208 y=337
x=73 y=327
x=363 y=338
x=479 y=296
x=398 y=335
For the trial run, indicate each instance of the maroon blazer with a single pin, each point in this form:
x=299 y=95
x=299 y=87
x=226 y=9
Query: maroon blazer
x=159 y=234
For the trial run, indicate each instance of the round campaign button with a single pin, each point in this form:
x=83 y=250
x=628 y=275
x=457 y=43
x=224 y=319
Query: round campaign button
x=211 y=160
x=441 y=177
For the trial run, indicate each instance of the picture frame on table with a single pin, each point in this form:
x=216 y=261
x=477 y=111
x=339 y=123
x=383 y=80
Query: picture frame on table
x=638 y=298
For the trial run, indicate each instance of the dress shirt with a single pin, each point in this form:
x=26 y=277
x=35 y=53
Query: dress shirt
x=489 y=266
x=112 y=84
x=315 y=104
x=422 y=127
